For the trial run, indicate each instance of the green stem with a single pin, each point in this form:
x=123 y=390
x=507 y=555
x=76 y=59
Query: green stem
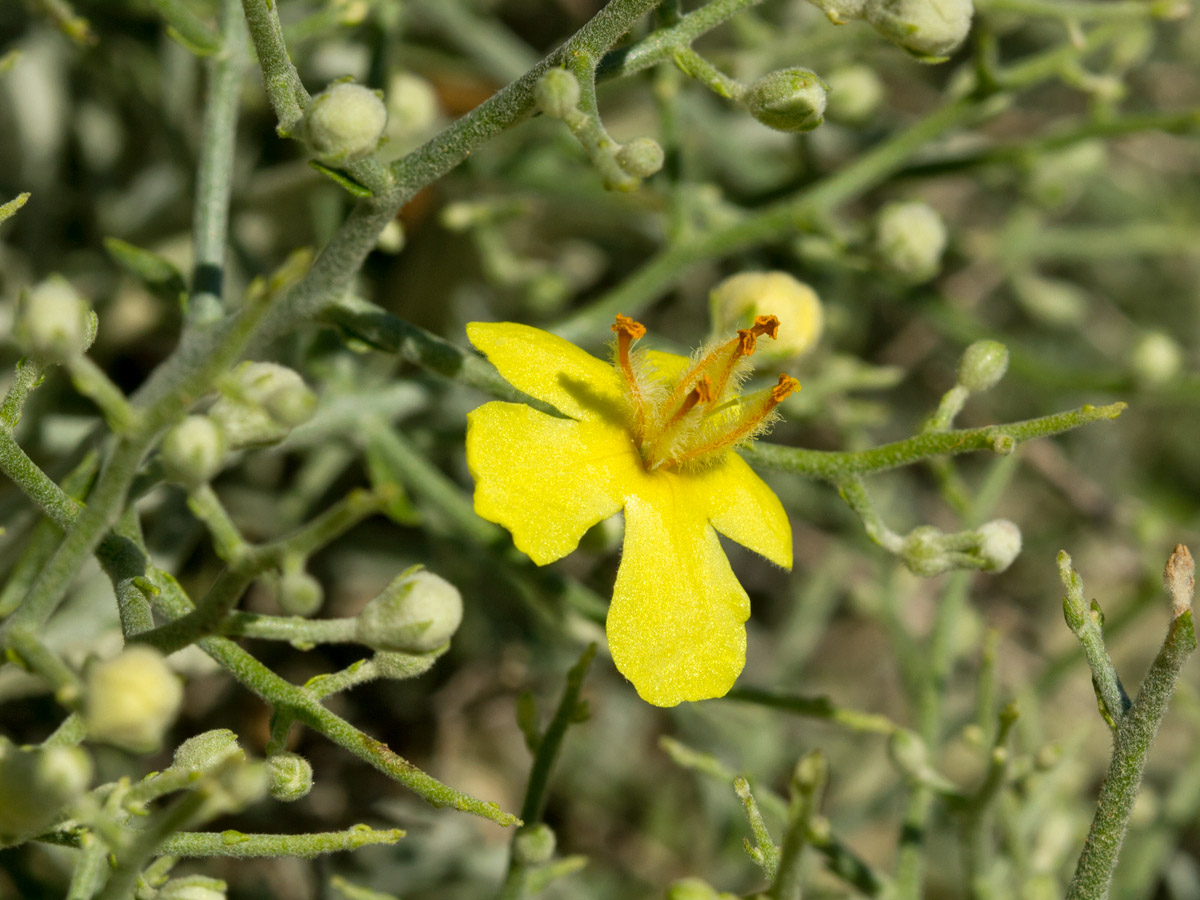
x=305 y=846
x=284 y=88
x=28 y=376
x=1131 y=747
x=837 y=466
x=660 y=45
x=192 y=31
x=294 y=629
x=214 y=175
x=1079 y=10
x=1086 y=622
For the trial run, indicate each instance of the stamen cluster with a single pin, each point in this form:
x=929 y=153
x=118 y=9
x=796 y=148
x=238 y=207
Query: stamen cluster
x=690 y=420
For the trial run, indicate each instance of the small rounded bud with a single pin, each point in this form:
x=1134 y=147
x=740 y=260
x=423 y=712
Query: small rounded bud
x=1156 y=358
x=788 y=100
x=982 y=365
x=923 y=551
x=289 y=776
x=855 y=93
x=417 y=612
x=192 y=887
x=207 y=751
x=261 y=403
x=412 y=106
x=53 y=322
x=641 y=157
x=557 y=93
x=1056 y=180
x=910 y=239
x=299 y=593
x=534 y=845
x=691 y=889
x=736 y=301
x=1052 y=300
x=925 y=28
x=343 y=123
x=35 y=785
x=131 y=699
x=999 y=544
x=192 y=451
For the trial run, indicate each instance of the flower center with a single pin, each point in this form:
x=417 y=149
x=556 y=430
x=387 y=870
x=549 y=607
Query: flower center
x=691 y=420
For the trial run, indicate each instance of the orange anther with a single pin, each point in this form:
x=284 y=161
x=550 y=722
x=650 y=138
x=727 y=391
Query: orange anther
x=787 y=384
x=627 y=326
x=768 y=325
x=704 y=390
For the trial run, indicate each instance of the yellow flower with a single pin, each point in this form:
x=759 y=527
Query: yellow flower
x=651 y=434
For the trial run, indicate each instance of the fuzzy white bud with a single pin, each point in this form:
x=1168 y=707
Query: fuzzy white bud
x=999 y=544
x=926 y=28
x=131 y=699
x=192 y=451
x=344 y=123
x=982 y=365
x=299 y=593
x=262 y=403
x=855 y=92
x=416 y=613
x=289 y=776
x=641 y=157
x=557 y=93
x=788 y=100
x=1156 y=358
x=35 y=785
x=909 y=239
x=53 y=322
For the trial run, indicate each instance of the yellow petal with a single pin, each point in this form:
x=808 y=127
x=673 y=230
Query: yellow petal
x=744 y=509
x=676 y=623
x=551 y=369
x=546 y=480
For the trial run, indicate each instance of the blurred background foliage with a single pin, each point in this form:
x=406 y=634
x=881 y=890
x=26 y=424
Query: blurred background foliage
x=1078 y=249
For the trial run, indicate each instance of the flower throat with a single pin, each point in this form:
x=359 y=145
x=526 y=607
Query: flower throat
x=690 y=421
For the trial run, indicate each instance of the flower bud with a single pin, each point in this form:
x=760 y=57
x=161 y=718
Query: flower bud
x=925 y=28
x=289 y=776
x=207 y=751
x=736 y=301
x=1056 y=180
x=35 y=785
x=1155 y=358
x=131 y=699
x=54 y=323
x=1052 y=300
x=983 y=364
x=909 y=239
x=343 y=123
x=855 y=93
x=412 y=106
x=999 y=544
x=299 y=593
x=641 y=157
x=923 y=552
x=788 y=100
x=192 y=451
x=417 y=612
x=691 y=889
x=534 y=845
x=192 y=887
x=262 y=403
x=557 y=93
